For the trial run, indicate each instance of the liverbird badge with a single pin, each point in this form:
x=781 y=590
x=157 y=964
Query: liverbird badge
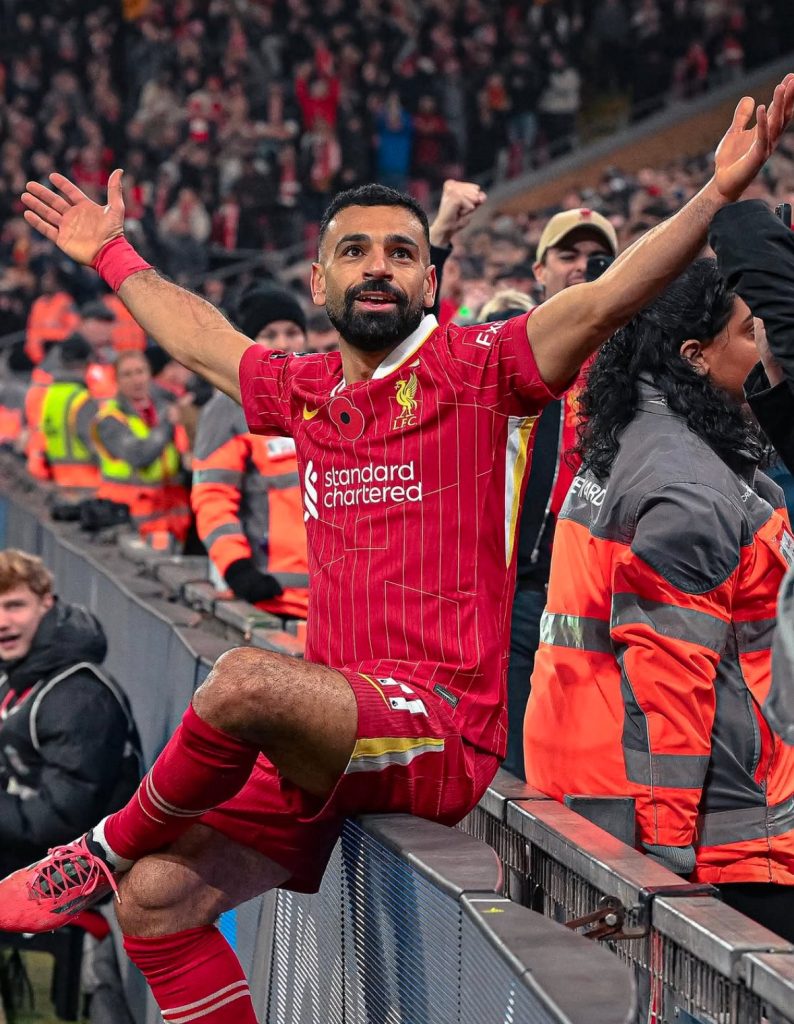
x=407 y=401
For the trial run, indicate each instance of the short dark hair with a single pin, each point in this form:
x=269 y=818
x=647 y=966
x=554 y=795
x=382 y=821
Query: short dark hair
x=373 y=195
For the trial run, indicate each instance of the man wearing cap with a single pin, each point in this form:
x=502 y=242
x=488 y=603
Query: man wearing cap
x=567 y=243
x=246 y=495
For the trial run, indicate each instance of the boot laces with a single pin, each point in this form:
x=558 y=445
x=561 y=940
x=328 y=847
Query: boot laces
x=69 y=874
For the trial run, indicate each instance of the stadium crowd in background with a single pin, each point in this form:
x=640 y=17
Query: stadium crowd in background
x=236 y=121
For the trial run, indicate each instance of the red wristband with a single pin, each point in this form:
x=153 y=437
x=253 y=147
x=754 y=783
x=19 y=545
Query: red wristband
x=116 y=261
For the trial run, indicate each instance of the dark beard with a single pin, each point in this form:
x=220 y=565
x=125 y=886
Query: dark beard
x=375 y=332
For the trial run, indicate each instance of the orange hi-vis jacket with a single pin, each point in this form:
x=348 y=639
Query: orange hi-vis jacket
x=127 y=332
x=655 y=662
x=35 y=444
x=13 y=393
x=247 y=502
x=51 y=318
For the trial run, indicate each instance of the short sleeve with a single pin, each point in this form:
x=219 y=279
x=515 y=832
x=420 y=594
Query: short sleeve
x=265 y=390
x=496 y=362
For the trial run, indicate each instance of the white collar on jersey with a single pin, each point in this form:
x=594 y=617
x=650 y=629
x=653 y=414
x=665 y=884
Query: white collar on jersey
x=403 y=351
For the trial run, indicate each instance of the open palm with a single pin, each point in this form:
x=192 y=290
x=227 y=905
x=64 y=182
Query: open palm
x=75 y=223
x=744 y=150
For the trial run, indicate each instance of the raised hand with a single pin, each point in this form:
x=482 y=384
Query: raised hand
x=744 y=151
x=75 y=223
x=459 y=200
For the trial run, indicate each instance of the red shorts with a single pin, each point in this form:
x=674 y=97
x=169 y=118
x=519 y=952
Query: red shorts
x=409 y=758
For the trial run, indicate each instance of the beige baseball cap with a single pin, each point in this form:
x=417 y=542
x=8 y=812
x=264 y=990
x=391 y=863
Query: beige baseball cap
x=562 y=224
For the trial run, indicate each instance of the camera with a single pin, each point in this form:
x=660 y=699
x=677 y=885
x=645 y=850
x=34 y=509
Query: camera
x=597 y=264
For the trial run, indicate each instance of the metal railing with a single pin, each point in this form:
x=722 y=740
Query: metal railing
x=694 y=958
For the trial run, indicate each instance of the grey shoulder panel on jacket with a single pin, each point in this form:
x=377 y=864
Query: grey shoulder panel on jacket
x=691 y=536
x=221 y=419
x=672 y=498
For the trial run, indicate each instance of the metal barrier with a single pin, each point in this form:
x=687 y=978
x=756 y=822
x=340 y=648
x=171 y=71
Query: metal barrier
x=694 y=958
x=438 y=945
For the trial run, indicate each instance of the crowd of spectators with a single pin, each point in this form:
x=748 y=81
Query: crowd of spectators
x=236 y=119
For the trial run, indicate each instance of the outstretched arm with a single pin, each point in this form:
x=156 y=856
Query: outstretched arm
x=188 y=328
x=569 y=327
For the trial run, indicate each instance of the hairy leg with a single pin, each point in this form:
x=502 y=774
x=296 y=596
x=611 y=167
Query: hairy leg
x=303 y=716
x=189 y=884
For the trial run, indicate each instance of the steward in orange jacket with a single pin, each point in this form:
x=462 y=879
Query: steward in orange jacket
x=67 y=418
x=53 y=317
x=139 y=454
x=40 y=379
x=247 y=501
x=246 y=492
x=654 y=660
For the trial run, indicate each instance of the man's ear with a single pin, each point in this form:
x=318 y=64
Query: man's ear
x=48 y=601
x=692 y=351
x=430 y=287
x=539 y=270
x=318 y=284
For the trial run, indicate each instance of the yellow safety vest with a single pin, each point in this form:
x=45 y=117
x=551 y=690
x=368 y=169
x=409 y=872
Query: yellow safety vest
x=62 y=403
x=164 y=467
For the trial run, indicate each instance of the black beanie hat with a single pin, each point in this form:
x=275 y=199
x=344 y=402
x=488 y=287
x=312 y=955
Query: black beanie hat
x=262 y=304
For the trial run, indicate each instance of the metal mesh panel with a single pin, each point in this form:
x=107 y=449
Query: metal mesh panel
x=490 y=990
x=511 y=849
x=673 y=981
x=686 y=983
x=138 y=654
x=380 y=944
x=404 y=947
x=306 y=972
x=23 y=530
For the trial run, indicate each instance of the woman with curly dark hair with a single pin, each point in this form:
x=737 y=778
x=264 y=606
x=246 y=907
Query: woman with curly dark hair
x=654 y=660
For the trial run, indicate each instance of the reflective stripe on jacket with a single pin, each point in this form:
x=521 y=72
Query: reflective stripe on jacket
x=654 y=659
x=247 y=501
x=71 y=460
x=140 y=467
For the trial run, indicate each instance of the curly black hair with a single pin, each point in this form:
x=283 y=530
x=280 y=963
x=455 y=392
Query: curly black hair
x=697 y=305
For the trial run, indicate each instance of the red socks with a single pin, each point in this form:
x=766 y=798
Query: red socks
x=194 y=976
x=200 y=768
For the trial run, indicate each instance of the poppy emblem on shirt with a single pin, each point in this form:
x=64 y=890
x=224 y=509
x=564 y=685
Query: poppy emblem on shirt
x=406 y=392
x=348 y=419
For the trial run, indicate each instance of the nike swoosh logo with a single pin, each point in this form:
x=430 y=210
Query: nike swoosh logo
x=309 y=414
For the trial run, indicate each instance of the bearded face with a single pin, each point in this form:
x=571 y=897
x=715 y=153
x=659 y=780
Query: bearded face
x=374 y=276
x=374 y=316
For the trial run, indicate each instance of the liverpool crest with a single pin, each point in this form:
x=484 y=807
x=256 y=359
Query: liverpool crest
x=407 y=401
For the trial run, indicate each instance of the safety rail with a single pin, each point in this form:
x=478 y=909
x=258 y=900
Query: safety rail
x=440 y=945
x=694 y=958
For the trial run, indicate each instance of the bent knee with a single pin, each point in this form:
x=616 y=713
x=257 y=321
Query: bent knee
x=236 y=686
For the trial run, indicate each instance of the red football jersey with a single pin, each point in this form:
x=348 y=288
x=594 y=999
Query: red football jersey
x=412 y=485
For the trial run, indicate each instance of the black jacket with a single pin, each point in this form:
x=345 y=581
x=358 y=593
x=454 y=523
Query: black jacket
x=69 y=752
x=755 y=251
